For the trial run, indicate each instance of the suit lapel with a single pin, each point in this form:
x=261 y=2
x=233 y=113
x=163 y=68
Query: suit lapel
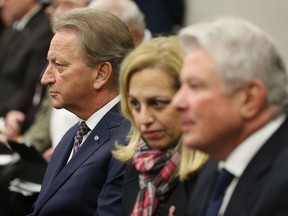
x=55 y=166
x=63 y=152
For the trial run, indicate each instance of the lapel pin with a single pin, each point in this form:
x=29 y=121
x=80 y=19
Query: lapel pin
x=96 y=138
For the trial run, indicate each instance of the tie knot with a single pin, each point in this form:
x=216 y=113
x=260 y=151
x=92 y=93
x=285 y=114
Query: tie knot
x=225 y=174
x=83 y=129
x=224 y=178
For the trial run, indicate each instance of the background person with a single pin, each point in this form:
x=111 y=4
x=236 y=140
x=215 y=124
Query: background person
x=57 y=7
x=129 y=12
x=23 y=48
x=83 y=178
x=148 y=82
x=232 y=102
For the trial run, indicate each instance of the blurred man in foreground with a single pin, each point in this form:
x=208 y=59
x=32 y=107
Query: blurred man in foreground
x=233 y=102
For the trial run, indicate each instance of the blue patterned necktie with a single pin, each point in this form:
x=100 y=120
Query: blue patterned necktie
x=83 y=129
x=223 y=180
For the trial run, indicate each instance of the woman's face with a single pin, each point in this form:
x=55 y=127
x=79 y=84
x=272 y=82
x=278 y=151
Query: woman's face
x=150 y=93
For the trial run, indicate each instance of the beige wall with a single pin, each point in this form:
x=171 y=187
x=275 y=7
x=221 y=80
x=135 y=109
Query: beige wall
x=271 y=15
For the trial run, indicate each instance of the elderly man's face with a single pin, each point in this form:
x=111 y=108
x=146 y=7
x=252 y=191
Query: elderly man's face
x=211 y=119
x=67 y=75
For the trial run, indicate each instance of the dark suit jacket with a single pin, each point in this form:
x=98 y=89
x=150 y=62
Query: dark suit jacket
x=261 y=190
x=91 y=182
x=23 y=55
x=178 y=197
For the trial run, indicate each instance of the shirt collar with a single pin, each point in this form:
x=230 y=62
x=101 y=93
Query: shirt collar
x=239 y=159
x=93 y=120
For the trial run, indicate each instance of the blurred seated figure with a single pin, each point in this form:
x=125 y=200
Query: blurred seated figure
x=37 y=135
x=130 y=14
x=28 y=121
x=23 y=49
x=233 y=106
x=5 y=20
x=57 y=7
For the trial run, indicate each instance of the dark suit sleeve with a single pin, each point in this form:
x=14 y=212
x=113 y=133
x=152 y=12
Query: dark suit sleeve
x=110 y=197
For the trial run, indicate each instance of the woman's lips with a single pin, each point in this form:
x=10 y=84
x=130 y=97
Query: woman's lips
x=153 y=134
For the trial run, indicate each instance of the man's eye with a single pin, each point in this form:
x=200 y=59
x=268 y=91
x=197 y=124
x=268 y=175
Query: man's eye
x=58 y=64
x=194 y=85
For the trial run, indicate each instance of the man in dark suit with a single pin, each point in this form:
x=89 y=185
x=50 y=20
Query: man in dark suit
x=23 y=49
x=233 y=102
x=82 y=75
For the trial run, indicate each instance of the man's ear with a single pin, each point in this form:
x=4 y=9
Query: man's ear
x=253 y=98
x=102 y=74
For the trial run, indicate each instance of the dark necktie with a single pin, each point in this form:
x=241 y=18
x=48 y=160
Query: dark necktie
x=223 y=180
x=82 y=131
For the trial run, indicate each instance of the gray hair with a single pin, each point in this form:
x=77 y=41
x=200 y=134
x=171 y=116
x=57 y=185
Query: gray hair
x=242 y=52
x=127 y=10
x=101 y=36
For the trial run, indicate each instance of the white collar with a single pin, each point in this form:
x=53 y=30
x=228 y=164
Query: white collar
x=94 y=119
x=239 y=159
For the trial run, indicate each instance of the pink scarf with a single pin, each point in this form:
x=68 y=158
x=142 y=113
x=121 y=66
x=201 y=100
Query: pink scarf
x=157 y=177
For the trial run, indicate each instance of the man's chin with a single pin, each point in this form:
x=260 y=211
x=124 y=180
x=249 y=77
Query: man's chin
x=189 y=141
x=57 y=105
